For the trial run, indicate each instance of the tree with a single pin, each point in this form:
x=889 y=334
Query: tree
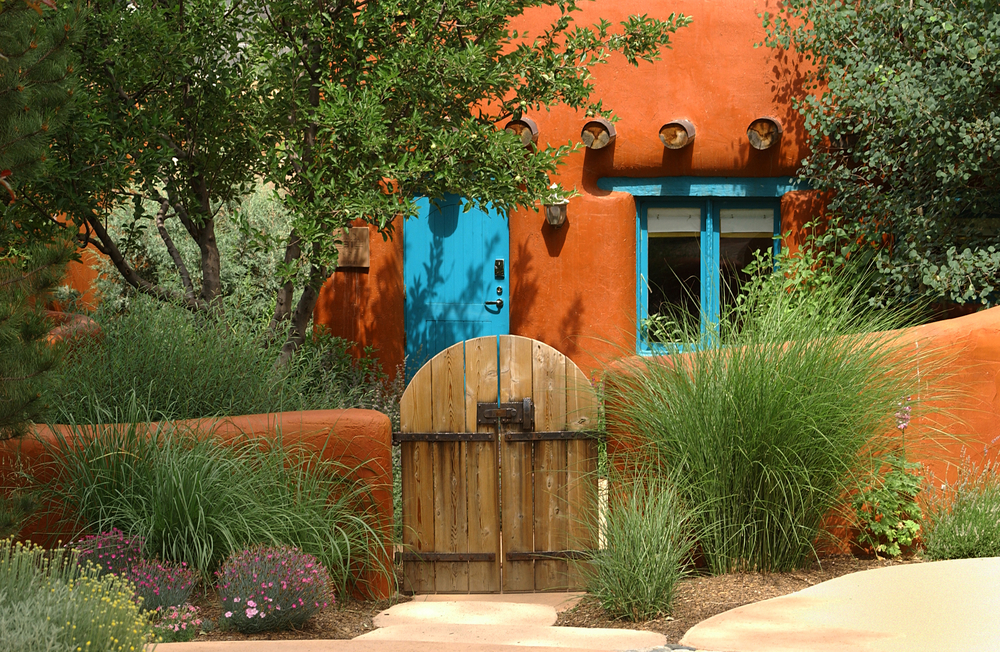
x=350 y=108
x=904 y=122
x=36 y=87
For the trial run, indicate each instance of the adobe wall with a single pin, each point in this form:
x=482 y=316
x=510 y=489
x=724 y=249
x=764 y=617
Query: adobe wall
x=574 y=287
x=358 y=439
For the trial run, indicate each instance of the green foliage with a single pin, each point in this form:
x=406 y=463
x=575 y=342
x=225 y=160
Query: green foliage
x=352 y=109
x=903 y=117
x=886 y=507
x=26 y=357
x=646 y=549
x=195 y=501
x=36 y=83
x=15 y=508
x=767 y=426
x=183 y=366
x=962 y=520
x=49 y=604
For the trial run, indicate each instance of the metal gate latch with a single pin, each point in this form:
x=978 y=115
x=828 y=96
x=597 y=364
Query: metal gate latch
x=515 y=412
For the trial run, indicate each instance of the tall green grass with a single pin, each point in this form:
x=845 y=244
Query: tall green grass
x=196 y=501
x=962 y=520
x=185 y=366
x=766 y=427
x=647 y=539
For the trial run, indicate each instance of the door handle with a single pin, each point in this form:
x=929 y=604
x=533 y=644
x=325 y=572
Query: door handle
x=498 y=303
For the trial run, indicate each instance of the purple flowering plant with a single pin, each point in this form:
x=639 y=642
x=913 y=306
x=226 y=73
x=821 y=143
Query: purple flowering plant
x=161 y=584
x=271 y=588
x=158 y=583
x=110 y=551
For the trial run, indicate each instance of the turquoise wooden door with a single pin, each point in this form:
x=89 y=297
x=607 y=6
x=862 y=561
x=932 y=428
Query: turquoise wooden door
x=455 y=267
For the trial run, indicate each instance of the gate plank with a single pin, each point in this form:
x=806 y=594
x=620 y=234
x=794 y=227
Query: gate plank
x=516 y=489
x=450 y=514
x=551 y=522
x=581 y=481
x=418 y=482
x=483 y=472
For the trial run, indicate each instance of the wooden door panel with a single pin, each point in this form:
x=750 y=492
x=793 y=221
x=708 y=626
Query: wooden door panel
x=471 y=500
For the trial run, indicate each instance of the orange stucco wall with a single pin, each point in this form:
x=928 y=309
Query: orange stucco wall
x=359 y=439
x=574 y=287
x=365 y=304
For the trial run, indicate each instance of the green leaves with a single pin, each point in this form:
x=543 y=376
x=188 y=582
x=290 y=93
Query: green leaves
x=903 y=130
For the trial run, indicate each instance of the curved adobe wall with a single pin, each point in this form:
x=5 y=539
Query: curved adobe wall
x=574 y=287
x=360 y=439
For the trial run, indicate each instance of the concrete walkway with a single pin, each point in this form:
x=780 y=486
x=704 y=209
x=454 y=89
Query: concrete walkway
x=944 y=606
x=950 y=606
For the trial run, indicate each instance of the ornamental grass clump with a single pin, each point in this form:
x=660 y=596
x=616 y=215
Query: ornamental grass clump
x=271 y=588
x=647 y=543
x=192 y=500
x=767 y=427
x=50 y=603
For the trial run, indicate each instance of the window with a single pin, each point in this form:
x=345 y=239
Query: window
x=691 y=253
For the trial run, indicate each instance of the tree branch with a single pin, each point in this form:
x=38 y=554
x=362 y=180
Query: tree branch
x=133 y=279
x=175 y=255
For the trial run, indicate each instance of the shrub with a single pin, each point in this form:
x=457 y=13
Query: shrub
x=161 y=584
x=111 y=552
x=963 y=520
x=269 y=589
x=647 y=548
x=183 y=366
x=49 y=603
x=177 y=624
x=194 y=501
x=768 y=425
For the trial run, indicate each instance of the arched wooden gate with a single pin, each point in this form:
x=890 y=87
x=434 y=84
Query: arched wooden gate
x=481 y=520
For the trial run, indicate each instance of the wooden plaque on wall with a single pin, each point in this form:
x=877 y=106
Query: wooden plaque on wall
x=354 y=250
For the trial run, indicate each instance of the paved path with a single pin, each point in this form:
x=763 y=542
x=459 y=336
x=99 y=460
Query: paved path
x=950 y=606
x=944 y=606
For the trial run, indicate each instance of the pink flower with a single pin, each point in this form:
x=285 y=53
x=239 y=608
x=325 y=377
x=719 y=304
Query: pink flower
x=229 y=614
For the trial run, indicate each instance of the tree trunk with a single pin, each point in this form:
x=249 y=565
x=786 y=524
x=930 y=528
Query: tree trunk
x=283 y=306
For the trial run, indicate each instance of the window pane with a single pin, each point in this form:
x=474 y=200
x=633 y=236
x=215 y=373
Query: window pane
x=735 y=254
x=674 y=298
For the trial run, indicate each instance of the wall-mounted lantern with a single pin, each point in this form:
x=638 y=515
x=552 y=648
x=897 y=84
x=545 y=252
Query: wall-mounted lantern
x=677 y=134
x=555 y=214
x=764 y=133
x=525 y=129
x=597 y=133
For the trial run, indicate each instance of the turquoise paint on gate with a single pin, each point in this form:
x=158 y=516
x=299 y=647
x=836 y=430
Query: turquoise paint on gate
x=448 y=270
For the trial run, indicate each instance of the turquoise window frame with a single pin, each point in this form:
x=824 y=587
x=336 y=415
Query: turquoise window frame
x=712 y=194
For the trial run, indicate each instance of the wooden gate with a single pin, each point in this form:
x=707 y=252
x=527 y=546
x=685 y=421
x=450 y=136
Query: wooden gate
x=481 y=520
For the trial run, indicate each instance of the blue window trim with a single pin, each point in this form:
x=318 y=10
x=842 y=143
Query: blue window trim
x=711 y=193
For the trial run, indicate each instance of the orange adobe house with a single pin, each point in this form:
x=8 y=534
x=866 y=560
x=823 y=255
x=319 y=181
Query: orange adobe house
x=674 y=197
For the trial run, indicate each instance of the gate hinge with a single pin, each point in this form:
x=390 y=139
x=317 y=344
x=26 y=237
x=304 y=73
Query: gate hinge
x=521 y=413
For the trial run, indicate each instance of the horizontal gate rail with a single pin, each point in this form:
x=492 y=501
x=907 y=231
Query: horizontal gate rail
x=557 y=435
x=550 y=554
x=448 y=556
x=400 y=437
